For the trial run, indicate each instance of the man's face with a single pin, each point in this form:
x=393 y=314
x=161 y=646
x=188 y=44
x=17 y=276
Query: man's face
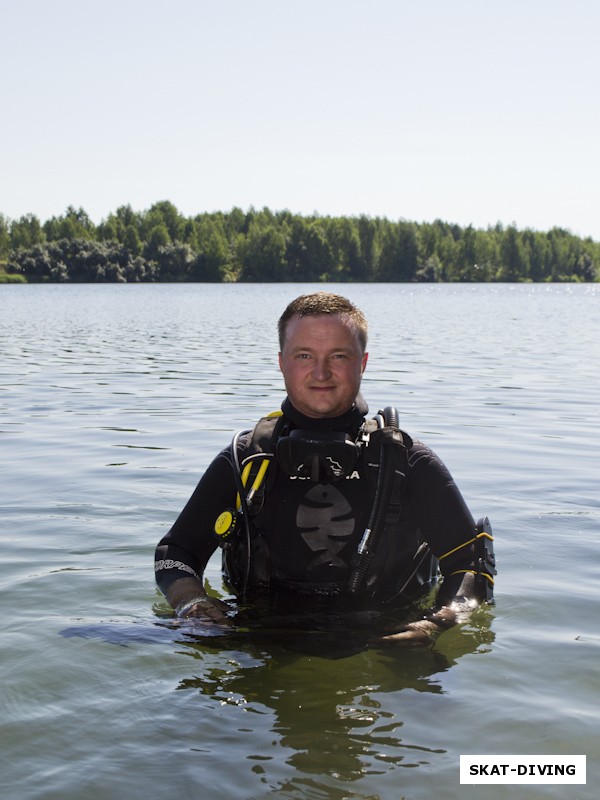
x=322 y=364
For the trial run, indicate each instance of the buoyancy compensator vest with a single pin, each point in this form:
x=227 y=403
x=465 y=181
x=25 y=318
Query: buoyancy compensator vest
x=385 y=565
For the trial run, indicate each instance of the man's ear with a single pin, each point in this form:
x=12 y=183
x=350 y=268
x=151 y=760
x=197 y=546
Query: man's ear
x=363 y=363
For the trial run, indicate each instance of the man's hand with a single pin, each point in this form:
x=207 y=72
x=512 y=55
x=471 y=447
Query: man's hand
x=208 y=609
x=424 y=631
x=418 y=633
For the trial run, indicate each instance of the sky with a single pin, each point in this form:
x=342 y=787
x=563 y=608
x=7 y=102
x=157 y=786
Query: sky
x=470 y=111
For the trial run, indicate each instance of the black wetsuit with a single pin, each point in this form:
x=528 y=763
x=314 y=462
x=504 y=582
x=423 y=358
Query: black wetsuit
x=307 y=533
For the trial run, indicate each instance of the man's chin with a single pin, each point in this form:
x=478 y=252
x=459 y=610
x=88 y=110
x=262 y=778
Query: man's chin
x=320 y=408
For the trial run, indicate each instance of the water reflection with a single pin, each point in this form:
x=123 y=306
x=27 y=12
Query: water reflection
x=319 y=706
x=335 y=702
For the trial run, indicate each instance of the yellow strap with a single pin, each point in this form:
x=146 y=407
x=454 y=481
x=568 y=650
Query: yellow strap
x=260 y=474
x=465 y=544
x=472 y=572
x=259 y=477
x=245 y=474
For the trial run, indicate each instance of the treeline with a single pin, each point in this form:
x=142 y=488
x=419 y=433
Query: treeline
x=160 y=244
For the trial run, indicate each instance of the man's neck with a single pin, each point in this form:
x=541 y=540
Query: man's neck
x=348 y=422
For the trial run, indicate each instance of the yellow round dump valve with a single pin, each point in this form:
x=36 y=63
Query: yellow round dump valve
x=225 y=523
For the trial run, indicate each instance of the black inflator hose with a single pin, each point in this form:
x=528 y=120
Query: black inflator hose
x=385 y=482
x=244 y=509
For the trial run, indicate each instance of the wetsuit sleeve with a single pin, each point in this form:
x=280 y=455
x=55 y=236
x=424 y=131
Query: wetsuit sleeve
x=182 y=555
x=445 y=522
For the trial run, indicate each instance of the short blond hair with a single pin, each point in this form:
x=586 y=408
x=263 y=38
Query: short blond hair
x=318 y=303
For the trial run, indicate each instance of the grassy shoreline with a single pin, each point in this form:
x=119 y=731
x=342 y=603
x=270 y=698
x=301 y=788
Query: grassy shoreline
x=6 y=277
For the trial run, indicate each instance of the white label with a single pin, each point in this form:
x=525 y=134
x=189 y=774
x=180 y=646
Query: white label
x=522 y=769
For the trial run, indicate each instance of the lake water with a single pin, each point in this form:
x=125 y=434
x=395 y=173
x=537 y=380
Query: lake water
x=114 y=398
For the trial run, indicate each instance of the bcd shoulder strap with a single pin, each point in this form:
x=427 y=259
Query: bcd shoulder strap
x=264 y=436
x=257 y=474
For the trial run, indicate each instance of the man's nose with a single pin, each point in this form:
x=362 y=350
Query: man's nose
x=321 y=369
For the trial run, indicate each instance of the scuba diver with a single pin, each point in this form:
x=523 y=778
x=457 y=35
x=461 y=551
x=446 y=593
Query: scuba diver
x=319 y=502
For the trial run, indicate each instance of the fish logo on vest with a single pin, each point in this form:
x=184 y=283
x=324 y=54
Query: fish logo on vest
x=326 y=522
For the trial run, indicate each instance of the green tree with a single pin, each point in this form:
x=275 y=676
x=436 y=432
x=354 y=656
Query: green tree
x=131 y=240
x=538 y=250
x=342 y=234
x=127 y=216
x=75 y=224
x=367 y=230
x=108 y=230
x=264 y=256
x=188 y=234
x=37 y=264
x=174 y=262
x=558 y=255
x=115 y=225
x=472 y=257
x=309 y=253
x=161 y=244
x=4 y=236
x=165 y=213
x=514 y=265
x=158 y=237
x=212 y=257
x=137 y=269
x=430 y=271
x=234 y=224
x=26 y=232
x=398 y=260
x=439 y=247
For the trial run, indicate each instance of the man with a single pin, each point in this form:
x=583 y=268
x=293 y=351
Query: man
x=319 y=501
